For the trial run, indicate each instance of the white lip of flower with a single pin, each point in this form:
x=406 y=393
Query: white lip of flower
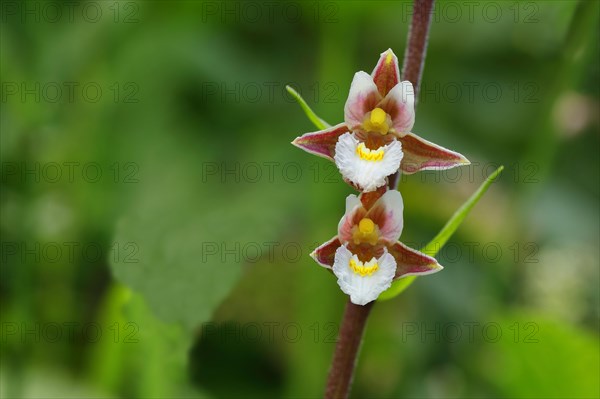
x=363 y=282
x=364 y=167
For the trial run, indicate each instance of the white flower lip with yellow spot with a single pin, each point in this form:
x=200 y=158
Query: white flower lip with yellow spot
x=364 y=167
x=381 y=104
x=363 y=281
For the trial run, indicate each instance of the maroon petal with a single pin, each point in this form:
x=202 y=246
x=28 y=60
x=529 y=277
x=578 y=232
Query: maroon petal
x=386 y=73
x=324 y=255
x=370 y=198
x=420 y=154
x=410 y=262
x=321 y=143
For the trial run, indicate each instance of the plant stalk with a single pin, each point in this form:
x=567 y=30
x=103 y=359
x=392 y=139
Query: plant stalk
x=414 y=55
x=346 y=350
x=416 y=48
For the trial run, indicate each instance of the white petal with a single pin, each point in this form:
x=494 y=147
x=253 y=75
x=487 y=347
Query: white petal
x=363 y=97
x=341 y=269
x=400 y=104
x=363 y=289
x=345 y=224
x=369 y=175
x=387 y=213
x=352 y=202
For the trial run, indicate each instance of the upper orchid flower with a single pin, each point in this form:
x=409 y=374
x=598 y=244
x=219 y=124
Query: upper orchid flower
x=366 y=255
x=375 y=140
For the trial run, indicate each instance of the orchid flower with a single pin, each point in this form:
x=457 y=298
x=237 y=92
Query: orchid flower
x=375 y=140
x=366 y=255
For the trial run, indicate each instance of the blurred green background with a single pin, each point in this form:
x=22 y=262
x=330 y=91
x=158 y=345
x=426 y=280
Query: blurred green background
x=156 y=222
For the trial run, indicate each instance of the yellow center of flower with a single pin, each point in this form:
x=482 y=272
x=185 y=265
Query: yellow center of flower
x=364 y=269
x=366 y=231
x=377 y=121
x=369 y=155
x=366 y=226
x=378 y=116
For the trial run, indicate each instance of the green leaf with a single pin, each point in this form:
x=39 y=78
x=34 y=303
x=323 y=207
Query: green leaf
x=182 y=242
x=443 y=236
x=318 y=122
x=137 y=343
x=533 y=358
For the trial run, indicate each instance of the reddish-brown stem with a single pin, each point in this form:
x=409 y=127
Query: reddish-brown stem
x=414 y=56
x=346 y=350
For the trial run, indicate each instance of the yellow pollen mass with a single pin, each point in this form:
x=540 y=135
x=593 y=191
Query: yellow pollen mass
x=377 y=121
x=388 y=58
x=366 y=231
x=369 y=155
x=378 y=117
x=366 y=226
x=363 y=269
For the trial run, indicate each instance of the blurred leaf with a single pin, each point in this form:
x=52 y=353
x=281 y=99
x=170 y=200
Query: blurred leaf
x=160 y=354
x=137 y=343
x=535 y=357
x=318 y=122
x=107 y=366
x=184 y=242
x=443 y=236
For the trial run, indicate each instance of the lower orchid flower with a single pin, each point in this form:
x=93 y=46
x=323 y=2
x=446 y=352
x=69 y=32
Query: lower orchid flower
x=366 y=255
x=375 y=140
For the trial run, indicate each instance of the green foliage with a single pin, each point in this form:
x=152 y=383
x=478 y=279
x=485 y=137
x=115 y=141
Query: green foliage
x=318 y=122
x=522 y=365
x=188 y=255
x=433 y=247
